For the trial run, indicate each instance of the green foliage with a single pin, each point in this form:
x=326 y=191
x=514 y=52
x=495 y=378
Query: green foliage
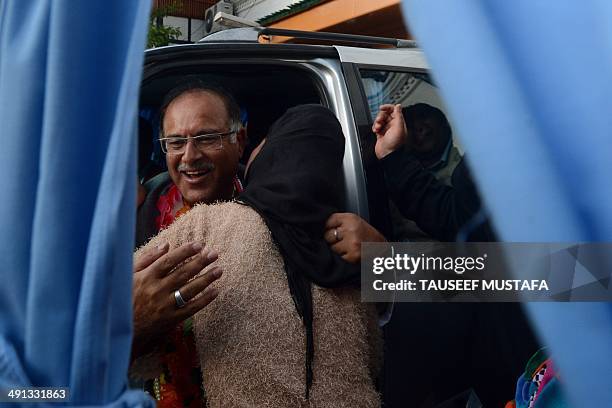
x=159 y=34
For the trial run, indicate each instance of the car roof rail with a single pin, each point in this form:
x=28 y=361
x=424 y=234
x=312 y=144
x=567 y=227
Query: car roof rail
x=252 y=34
x=349 y=38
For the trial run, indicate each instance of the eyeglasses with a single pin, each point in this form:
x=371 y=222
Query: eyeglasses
x=204 y=143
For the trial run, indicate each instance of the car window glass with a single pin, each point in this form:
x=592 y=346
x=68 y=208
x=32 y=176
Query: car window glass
x=404 y=88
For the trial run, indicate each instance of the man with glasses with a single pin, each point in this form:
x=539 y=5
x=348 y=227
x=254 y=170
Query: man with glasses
x=202 y=138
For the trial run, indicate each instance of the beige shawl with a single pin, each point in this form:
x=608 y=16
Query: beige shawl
x=251 y=341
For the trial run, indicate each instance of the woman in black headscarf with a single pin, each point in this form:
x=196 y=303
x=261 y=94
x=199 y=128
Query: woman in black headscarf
x=302 y=153
x=287 y=328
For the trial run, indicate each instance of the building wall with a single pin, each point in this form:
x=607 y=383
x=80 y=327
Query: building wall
x=381 y=18
x=197 y=27
x=366 y=17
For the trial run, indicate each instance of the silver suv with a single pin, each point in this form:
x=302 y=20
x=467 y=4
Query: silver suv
x=268 y=78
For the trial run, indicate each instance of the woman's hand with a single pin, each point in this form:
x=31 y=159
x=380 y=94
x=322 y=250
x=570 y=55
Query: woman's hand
x=346 y=231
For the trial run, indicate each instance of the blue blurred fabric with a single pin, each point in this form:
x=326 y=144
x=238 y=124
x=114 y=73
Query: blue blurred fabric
x=528 y=85
x=69 y=82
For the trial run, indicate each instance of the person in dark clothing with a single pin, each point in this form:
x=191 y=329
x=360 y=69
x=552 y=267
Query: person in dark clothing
x=427 y=178
x=434 y=351
x=431 y=134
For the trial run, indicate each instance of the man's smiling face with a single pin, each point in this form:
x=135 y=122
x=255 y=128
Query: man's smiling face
x=202 y=176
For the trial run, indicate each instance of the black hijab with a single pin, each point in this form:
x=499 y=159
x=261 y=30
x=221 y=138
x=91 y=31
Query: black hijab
x=295 y=183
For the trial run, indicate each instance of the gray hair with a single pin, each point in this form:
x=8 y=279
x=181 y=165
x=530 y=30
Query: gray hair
x=231 y=106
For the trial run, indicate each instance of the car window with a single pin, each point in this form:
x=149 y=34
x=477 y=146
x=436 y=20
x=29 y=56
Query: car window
x=392 y=87
x=407 y=89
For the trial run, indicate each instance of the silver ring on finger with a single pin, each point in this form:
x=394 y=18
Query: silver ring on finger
x=336 y=237
x=180 y=302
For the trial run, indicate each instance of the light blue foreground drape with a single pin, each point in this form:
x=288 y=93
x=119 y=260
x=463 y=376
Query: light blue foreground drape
x=69 y=81
x=529 y=86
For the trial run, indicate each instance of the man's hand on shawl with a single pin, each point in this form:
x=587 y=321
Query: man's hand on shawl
x=390 y=130
x=157 y=275
x=346 y=231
